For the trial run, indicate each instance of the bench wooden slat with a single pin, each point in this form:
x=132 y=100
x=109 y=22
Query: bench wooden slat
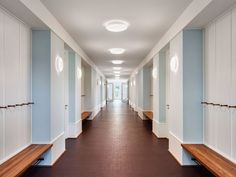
x=148 y=114
x=85 y=115
x=213 y=161
x=19 y=163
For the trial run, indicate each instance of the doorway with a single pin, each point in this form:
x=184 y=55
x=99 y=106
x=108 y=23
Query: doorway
x=117 y=91
x=110 y=92
x=124 y=92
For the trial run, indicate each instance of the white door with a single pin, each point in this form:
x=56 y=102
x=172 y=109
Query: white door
x=66 y=71
x=167 y=89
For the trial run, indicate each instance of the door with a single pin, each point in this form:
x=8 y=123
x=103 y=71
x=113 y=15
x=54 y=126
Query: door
x=66 y=71
x=167 y=90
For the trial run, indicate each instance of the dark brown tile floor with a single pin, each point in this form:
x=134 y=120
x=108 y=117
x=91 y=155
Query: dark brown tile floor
x=117 y=144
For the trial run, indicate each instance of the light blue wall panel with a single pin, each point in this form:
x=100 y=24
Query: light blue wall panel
x=71 y=86
x=41 y=85
x=193 y=85
x=162 y=87
x=147 y=101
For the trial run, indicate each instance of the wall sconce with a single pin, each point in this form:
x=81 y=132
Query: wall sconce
x=154 y=73
x=99 y=82
x=174 y=64
x=59 y=64
x=79 y=73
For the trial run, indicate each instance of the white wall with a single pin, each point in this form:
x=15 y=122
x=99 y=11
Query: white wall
x=220 y=79
x=160 y=127
x=82 y=89
x=75 y=124
x=93 y=86
x=15 y=85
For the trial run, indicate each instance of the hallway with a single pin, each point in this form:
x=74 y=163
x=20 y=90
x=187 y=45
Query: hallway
x=117 y=144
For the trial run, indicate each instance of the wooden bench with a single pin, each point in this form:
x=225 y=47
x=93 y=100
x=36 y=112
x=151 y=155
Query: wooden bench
x=19 y=163
x=148 y=114
x=214 y=162
x=85 y=115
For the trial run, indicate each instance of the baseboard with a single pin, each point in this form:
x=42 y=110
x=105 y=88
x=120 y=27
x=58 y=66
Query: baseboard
x=103 y=103
x=175 y=148
x=140 y=113
x=55 y=152
x=178 y=152
x=160 y=129
x=75 y=129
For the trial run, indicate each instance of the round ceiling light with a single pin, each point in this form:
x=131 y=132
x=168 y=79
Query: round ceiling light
x=117 y=51
x=117 y=68
x=116 y=25
x=117 y=62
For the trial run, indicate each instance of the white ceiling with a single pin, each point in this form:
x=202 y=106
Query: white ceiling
x=149 y=20
x=20 y=11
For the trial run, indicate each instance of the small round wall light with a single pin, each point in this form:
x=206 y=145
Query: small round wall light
x=174 y=64
x=59 y=64
x=79 y=73
x=154 y=73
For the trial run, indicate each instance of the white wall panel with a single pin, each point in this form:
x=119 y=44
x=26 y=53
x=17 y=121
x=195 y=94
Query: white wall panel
x=176 y=88
x=11 y=64
x=223 y=75
x=1 y=90
x=57 y=88
x=25 y=74
x=210 y=128
x=233 y=85
x=220 y=85
x=15 y=85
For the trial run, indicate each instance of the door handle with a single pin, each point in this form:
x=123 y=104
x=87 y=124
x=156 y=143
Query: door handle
x=66 y=106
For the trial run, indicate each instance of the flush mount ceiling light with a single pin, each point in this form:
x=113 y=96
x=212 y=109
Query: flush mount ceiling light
x=117 y=62
x=117 y=72
x=117 y=68
x=116 y=25
x=117 y=75
x=117 y=51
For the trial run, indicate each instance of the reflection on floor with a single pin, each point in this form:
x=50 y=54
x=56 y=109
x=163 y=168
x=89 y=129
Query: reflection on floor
x=117 y=144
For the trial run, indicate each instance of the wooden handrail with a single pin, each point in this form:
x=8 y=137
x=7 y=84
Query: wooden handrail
x=225 y=105
x=11 y=106
x=220 y=105
x=16 y=105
